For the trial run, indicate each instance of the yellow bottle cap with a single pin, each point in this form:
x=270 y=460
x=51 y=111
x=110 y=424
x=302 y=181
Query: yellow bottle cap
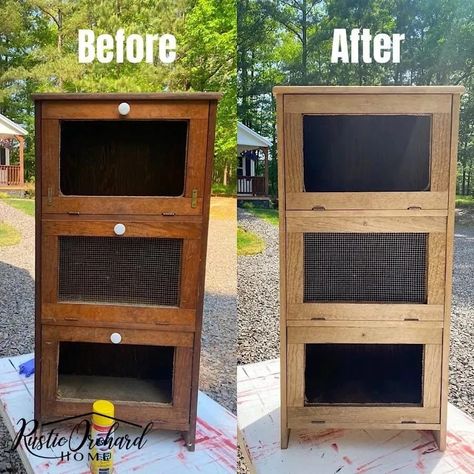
x=102 y=407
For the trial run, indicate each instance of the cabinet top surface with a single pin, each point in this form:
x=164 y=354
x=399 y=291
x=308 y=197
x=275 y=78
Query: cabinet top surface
x=129 y=96
x=368 y=90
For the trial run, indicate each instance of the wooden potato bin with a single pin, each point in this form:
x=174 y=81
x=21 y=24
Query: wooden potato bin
x=367 y=179
x=123 y=192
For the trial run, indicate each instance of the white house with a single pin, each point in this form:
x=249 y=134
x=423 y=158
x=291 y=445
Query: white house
x=12 y=135
x=251 y=147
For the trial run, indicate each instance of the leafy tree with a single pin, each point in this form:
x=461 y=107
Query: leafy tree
x=290 y=42
x=38 y=53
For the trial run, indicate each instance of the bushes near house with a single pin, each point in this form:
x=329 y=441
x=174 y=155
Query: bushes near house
x=465 y=201
x=223 y=190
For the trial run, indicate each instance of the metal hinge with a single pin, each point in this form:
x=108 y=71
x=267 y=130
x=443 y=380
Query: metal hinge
x=50 y=195
x=194 y=196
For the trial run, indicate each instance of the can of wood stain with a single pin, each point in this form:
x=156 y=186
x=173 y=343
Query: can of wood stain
x=101 y=451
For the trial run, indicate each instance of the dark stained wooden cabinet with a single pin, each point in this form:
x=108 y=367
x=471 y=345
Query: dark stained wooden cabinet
x=123 y=189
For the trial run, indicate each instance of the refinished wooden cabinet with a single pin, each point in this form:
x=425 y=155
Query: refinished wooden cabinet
x=123 y=191
x=367 y=179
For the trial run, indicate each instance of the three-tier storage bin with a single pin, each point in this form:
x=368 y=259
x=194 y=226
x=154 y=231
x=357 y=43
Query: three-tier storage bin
x=367 y=179
x=122 y=207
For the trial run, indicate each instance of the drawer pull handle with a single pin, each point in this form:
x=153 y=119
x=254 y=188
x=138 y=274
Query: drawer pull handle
x=119 y=229
x=124 y=108
x=116 y=338
x=318 y=319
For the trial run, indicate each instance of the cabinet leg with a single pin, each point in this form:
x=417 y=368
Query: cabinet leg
x=285 y=437
x=189 y=440
x=440 y=438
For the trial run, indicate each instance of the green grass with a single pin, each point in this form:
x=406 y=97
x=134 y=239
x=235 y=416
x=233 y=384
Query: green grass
x=464 y=201
x=25 y=205
x=249 y=243
x=8 y=235
x=269 y=215
x=223 y=190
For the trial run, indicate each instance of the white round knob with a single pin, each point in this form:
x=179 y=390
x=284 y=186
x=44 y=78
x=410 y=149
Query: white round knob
x=119 y=229
x=124 y=108
x=116 y=338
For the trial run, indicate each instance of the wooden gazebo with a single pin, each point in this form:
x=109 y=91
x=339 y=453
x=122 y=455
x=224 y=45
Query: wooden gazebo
x=252 y=163
x=11 y=136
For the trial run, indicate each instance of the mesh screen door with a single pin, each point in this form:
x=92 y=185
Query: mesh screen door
x=371 y=267
x=120 y=270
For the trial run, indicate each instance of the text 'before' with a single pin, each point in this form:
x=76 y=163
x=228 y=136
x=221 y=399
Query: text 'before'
x=133 y=48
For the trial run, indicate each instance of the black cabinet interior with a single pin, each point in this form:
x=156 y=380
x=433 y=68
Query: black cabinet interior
x=366 y=153
x=374 y=374
x=123 y=158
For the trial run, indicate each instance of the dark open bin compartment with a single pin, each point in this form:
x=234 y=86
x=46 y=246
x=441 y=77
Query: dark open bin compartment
x=121 y=372
x=364 y=374
x=366 y=153
x=123 y=158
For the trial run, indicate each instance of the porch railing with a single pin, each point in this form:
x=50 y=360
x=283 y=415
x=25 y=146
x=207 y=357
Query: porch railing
x=251 y=185
x=10 y=175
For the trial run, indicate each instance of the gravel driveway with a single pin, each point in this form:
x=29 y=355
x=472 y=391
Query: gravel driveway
x=258 y=295
x=219 y=338
x=258 y=306
x=217 y=377
x=16 y=308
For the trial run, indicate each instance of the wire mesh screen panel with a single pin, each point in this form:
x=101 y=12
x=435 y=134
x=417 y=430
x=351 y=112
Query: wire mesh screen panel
x=144 y=271
x=365 y=267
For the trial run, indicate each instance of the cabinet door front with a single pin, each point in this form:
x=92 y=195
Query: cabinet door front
x=389 y=375
x=367 y=152
x=353 y=268
x=151 y=161
x=147 y=375
x=125 y=273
